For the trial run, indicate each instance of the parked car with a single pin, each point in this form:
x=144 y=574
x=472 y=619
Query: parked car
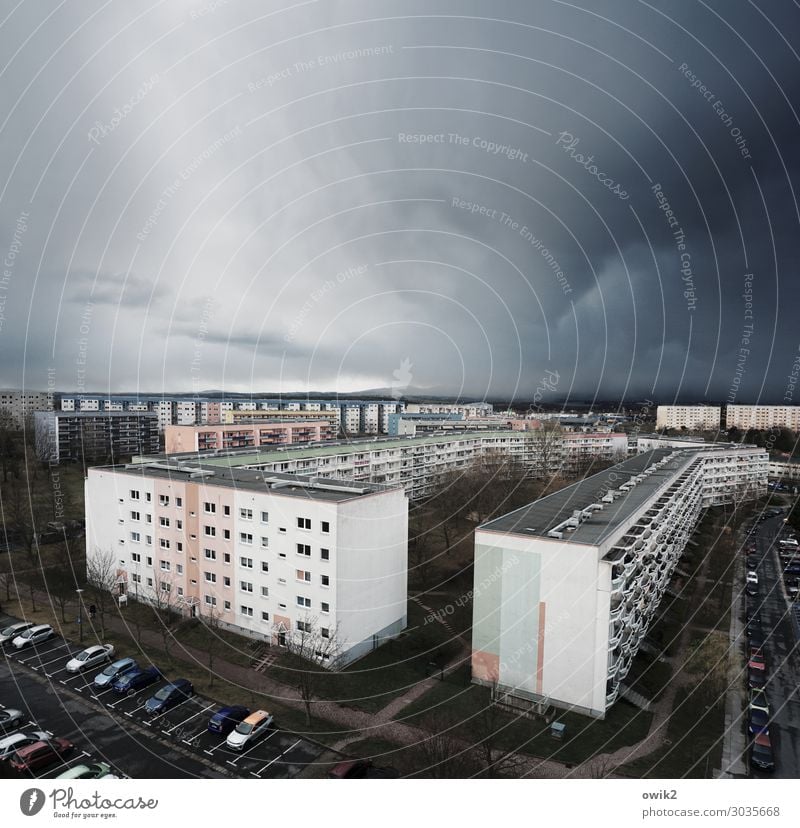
x=226 y=719
x=756 y=678
x=758 y=700
x=114 y=671
x=133 y=680
x=40 y=755
x=10 y=717
x=35 y=635
x=756 y=637
x=757 y=660
x=751 y=562
x=94 y=770
x=761 y=753
x=90 y=657
x=751 y=589
x=752 y=577
x=8 y=634
x=249 y=730
x=11 y=744
x=169 y=695
x=758 y=722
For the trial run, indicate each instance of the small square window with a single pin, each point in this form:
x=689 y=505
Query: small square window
x=325 y=554
x=326 y=581
x=226 y=510
x=265 y=616
x=326 y=526
x=325 y=606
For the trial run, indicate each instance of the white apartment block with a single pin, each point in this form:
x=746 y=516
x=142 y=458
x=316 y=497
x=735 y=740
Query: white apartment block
x=566 y=587
x=467 y=410
x=417 y=463
x=266 y=555
x=22 y=404
x=763 y=416
x=700 y=417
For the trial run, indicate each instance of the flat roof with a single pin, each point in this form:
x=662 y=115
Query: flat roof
x=292 y=485
x=57 y=412
x=539 y=517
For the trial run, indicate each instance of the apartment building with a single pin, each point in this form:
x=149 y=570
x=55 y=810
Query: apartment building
x=244 y=434
x=266 y=555
x=763 y=416
x=22 y=404
x=690 y=417
x=85 y=436
x=466 y=410
x=417 y=463
x=784 y=469
x=565 y=588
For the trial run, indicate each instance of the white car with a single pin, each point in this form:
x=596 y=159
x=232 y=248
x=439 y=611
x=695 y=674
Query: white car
x=35 y=635
x=90 y=657
x=10 y=744
x=10 y=718
x=10 y=633
x=752 y=577
x=249 y=730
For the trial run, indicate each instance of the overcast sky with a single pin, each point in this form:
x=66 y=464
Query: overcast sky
x=451 y=195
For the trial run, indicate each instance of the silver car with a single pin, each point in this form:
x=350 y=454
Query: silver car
x=10 y=633
x=90 y=657
x=20 y=740
x=110 y=674
x=34 y=635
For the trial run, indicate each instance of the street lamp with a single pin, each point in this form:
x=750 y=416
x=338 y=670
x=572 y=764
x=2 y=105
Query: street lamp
x=80 y=614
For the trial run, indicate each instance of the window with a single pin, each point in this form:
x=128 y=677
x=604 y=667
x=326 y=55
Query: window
x=210 y=554
x=148 y=518
x=179 y=546
x=148 y=539
x=135 y=516
x=134 y=494
x=163 y=500
x=164 y=543
x=136 y=537
x=304 y=626
x=302 y=575
x=326 y=526
x=226 y=581
x=304 y=549
x=264 y=566
x=227 y=606
x=226 y=557
x=326 y=581
x=245 y=538
x=179 y=569
x=265 y=592
x=163 y=521
x=136 y=557
x=209 y=508
x=303 y=523
x=165 y=566
x=245 y=586
x=325 y=607
x=147 y=496
x=178 y=502
x=149 y=582
x=165 y=587
x=179 y=524
x=137 y=579
x=149 y=561
x=264 y=542
x=282 y=530
x=226 y=533
x=180 y=592
x=282 y=606
x=248 y=611
x=210 y=577
x=246 y=514
x=303 y=602
x=210 y=531
x=324 y=632
x=226 y=510
x=211 y=600
x=265 y=517
x=247 y=563
x=265 y=616
x=325 y=554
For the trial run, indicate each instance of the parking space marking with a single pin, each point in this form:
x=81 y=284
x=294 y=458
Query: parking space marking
x=136 y=710
x=216 y=747
x=39 y=653
x=257 y=744
x=169 y=710
x=193 y=716
x=272 y=761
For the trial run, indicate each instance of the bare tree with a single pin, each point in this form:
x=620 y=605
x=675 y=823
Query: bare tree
x=546 y=450
x=490 y=727
x=10 y=445
x=316 y=651
x=210 y=619
x=442 y=755
x=101 y=577
x=164 y=599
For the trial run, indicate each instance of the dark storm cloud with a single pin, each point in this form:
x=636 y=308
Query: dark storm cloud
x=312 y=197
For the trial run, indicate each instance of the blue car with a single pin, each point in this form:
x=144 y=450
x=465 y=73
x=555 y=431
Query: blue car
x=169 y=695
x=136 y=679
x=226 y=719
x=114 y=671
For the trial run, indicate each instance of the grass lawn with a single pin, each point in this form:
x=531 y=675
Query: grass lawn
x=649 y=676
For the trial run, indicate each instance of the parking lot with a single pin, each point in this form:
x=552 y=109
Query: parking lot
x=780 y=650
x=69 y=705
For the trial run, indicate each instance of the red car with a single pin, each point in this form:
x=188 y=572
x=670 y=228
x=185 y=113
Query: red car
x=40 y=754
x=757 y=660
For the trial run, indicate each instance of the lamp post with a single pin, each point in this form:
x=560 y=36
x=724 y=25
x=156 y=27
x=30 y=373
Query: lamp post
x=80 y=614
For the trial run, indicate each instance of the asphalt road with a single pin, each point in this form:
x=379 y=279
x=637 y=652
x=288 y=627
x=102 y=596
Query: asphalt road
x=781 y=651
x=116 y=729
